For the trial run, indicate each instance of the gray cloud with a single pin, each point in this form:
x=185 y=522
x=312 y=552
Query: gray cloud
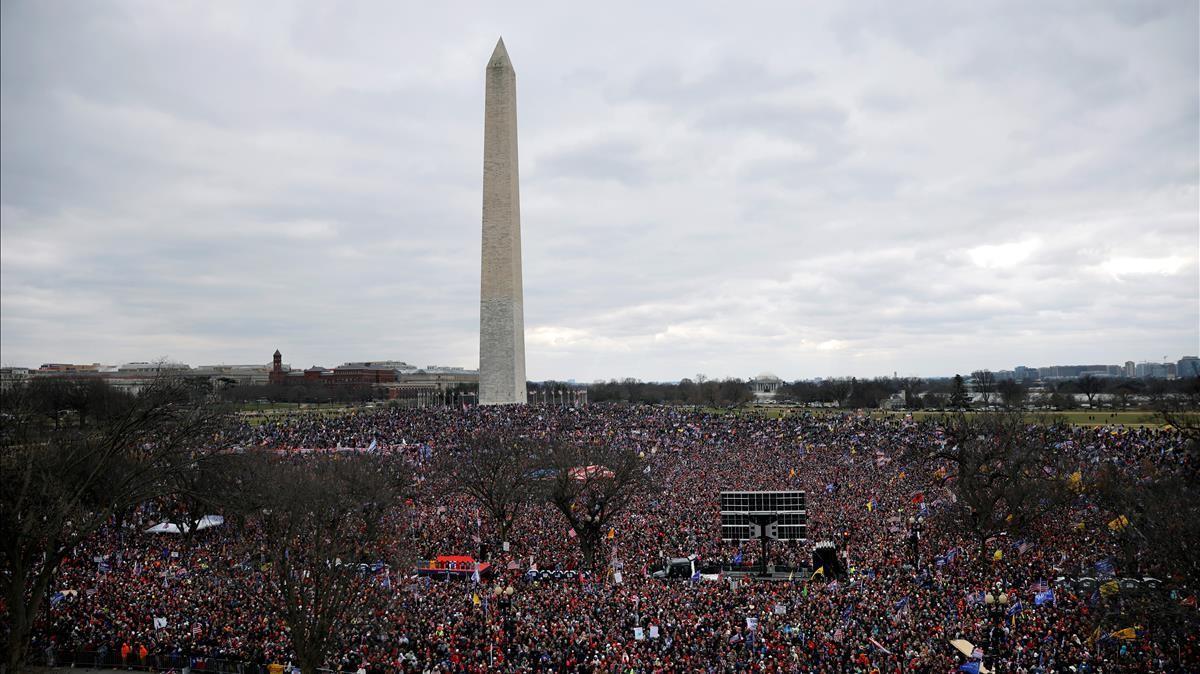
x=924 y=188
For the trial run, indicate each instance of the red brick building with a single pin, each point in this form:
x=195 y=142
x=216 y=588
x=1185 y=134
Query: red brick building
x=349 y=374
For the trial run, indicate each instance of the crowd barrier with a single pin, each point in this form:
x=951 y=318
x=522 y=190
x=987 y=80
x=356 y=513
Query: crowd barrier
x=154 y=662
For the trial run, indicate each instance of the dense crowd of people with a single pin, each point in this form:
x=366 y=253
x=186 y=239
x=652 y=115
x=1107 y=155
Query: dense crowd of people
x=167 y=601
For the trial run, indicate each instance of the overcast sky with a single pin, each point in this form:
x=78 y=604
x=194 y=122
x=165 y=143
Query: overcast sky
x=859 y=189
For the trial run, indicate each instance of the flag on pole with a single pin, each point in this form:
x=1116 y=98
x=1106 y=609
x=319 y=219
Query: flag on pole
x=160 y=623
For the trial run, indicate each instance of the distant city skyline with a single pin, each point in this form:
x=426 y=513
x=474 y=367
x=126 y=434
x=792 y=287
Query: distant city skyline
x=833 y=190
x=1127 y=368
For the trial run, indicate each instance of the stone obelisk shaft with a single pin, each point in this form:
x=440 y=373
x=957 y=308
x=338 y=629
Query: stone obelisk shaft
x=501 y=305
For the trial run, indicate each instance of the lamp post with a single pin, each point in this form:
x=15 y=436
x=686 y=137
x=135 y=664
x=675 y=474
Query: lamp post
x=915 y=526
x=997 y=607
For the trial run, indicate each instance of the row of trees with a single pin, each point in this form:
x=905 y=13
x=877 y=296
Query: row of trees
x=82 y=457
x=299 y=393
x=75 y=461
x=1114 y=392
x=588 y=484
x=74 y=457
x=698 y=391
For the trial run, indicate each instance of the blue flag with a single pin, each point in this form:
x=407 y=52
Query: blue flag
x=737 y=557
x=1046 y=597
x=1015 y=609
x=970 y=667
x=696 y=576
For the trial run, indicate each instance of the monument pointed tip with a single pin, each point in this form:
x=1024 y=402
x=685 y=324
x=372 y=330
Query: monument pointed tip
x=500 y=55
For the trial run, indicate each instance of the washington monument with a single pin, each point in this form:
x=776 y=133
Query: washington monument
x=501 y=304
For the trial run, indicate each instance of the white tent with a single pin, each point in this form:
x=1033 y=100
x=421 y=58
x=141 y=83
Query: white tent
x=170 y=528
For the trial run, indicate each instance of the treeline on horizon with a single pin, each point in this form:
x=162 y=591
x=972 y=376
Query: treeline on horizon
x=980 y=389
x=935 y=393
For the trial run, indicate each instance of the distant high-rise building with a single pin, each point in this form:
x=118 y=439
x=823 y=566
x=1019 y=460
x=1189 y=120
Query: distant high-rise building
x=1188 y=367
x=1149 y=370
x=1130 y=369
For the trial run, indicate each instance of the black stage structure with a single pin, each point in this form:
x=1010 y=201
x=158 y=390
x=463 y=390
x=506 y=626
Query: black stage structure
x=764 y=516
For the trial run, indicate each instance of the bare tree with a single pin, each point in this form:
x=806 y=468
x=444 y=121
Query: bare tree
x=985 y=385
x=1012 y=393
x=1089 y=386
x=590 y=485
x=495 y=470
x=66 y=471
x=1156 y=525
x=1007 y=471
x=1181 y=411
x=325 y=518
x=198 y=488
x=912 y=387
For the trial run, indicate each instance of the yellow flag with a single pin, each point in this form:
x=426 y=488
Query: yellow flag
x=1110 y=588
x=1075 y=481
x=612 y=532
x=901 y=475
x=1119 y=523
x=997 y=556
x=870 y=507
x=475 y=599
x=792 y=473
x=1127 y=634
x=819 y=572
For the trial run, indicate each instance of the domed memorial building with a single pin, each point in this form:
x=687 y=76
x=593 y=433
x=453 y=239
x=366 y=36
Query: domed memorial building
x=765 y=385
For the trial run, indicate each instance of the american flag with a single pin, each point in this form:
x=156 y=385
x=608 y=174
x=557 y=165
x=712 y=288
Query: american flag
x=1040 y=586
x=195 y=630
